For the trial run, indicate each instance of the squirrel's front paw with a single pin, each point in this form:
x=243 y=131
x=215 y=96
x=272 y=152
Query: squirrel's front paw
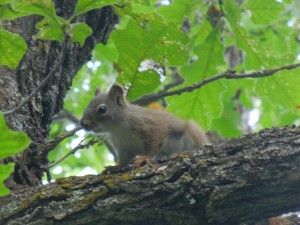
x=140 y=161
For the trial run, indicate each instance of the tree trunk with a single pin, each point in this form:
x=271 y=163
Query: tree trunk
x=237 y=182
x=42 y=56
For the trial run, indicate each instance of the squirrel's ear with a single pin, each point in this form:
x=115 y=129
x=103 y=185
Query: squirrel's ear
x=97 y=91
x=116 y=92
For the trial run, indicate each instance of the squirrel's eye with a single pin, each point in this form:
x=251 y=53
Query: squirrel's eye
x=102 y=109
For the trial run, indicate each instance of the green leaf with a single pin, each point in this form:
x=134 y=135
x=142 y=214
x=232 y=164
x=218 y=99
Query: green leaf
x=51 y=29
x=11 y=142
x=200 y=35
x=105 y=52
x=5 y=171
x=281 y=89
x=139 y=9
x=278 y=44
x=178 y=10
x=233 y=12
x=275 y=116
x=3 y=2
x=236 y=99
x=40 y=7
x=202 y=105
x=228 y=124
x=12 y=48
x=256 y=56
x=80 y=31
x=87 y=5
x=6 y=12
x=264 y=12
x=155 y=40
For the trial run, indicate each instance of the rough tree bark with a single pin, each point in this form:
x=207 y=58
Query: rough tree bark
x=237 y=182
x=36 y=116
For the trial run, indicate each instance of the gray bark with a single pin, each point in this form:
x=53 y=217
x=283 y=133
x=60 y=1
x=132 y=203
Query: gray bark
x=237 y=182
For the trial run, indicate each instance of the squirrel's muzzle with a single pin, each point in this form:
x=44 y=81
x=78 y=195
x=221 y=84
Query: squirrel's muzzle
x=85 y=124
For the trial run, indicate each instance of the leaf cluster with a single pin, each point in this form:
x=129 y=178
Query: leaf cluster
x=198 y=40
x=52 y=27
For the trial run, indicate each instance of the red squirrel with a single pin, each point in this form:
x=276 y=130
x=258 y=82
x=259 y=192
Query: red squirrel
x=138 y=133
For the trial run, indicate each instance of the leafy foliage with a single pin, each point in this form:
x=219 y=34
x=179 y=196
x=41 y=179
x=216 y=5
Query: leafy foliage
x=40 y=7
x=154 y=40
x=12 y=49
x=264 y=12
x=11 y=144
x=87 y=5
x=190 y=38
x=210 y=54
x=52 y=27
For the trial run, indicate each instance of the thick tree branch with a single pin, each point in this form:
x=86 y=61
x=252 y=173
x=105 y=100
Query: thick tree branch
x=229 y=74
x=240 y=181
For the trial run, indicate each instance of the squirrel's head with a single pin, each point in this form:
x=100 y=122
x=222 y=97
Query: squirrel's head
x=104 y=110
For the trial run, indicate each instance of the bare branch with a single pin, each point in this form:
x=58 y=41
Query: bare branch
x=229 y=74
x=78 y=147
x=52 y=144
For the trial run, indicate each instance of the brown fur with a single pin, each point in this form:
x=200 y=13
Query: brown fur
x=137 y=131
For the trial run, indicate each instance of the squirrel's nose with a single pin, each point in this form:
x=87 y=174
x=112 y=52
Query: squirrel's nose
x=84 y=123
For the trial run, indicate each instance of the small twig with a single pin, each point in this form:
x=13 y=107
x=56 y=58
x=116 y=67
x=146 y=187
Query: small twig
x=52 y=144
x=229 y=74
x=43 y=83
x=176 y=81
x=78 y=147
